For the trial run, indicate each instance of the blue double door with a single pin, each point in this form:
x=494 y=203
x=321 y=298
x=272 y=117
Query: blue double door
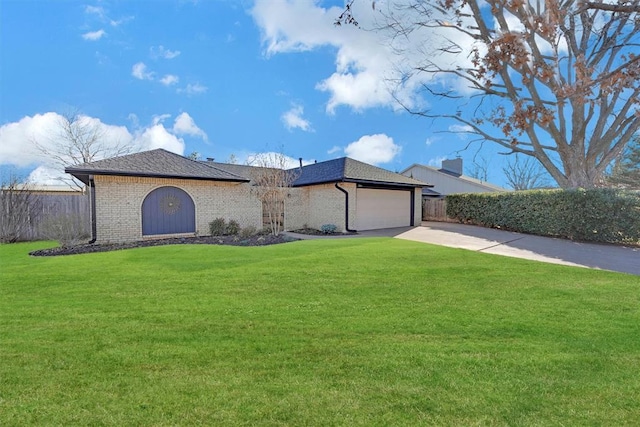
x=168 y=210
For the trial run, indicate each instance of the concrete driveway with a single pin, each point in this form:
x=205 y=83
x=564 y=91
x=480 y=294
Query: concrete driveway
x=507 y=243
x=546 y=249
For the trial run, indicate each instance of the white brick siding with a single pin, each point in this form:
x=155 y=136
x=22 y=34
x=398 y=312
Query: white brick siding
x=119 y=204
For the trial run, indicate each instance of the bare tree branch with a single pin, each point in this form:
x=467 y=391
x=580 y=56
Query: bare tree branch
x=563 y=76
x=272 y=182
x=78 y=139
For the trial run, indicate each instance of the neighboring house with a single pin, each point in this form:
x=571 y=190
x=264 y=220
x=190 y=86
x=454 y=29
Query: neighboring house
x=160 y=194
x=449 y=179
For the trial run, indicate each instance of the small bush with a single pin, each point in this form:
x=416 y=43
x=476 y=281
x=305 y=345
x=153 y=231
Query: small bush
x=265 y=231
x=67 y=230
x=328 y=228
x=233 y=228
x=248 y=231
x=218 y=227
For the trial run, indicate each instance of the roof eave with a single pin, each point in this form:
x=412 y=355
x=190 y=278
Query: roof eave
x=80 y=172
x=365 y=181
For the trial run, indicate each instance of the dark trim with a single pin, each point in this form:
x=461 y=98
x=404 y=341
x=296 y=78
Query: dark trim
x=368 y=183
x=92 y=195
x=385 y=187
x=346 y=209
x=151 y=175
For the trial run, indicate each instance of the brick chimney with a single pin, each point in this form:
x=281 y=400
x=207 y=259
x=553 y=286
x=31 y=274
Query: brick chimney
x=453 y=166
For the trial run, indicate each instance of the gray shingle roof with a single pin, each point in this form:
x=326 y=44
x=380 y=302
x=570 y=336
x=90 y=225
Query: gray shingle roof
x=155 y=163
x=349 y=170
x=164 y=164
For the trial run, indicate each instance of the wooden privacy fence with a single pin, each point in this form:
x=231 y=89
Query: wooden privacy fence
x=435 y=210
x=41 y=209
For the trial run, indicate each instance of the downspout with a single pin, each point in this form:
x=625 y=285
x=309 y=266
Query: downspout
x=346 y=209
x=92 y=201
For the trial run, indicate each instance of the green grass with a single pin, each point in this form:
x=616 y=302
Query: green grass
x=332 y=332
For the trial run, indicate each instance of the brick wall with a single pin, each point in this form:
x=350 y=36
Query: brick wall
x=327 y=204
x=119 y=204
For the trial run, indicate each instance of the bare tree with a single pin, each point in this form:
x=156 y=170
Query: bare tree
x=78 y=139
x=479 y=169
x=18 y=209
x=556 y=80
x=232 y=159
x=272 y=182
x=525 y=174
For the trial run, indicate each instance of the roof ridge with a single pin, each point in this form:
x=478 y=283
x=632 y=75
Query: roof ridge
x=216 y=168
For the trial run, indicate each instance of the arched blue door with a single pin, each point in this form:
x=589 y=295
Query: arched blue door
x=168 y=210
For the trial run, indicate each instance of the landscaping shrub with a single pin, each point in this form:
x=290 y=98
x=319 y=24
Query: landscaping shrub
x=248 y=231
x=597 y=215
x=218 y=227
x=67 y=230
x=328 y=228
x=233 y=228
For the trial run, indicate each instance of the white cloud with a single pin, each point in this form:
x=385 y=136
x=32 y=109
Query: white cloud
x=94 y=35
x=157 y=136
x=184 y=125
x=373 y=149
x=293 y=119
x=193 y=89
x=334 y=149
x=161 y=52
x=436 y=162
x=359 y=91
x=169 y=80
x=133 y=118
x=139 y=71
x=94 y=10
x=46 y=175
x=118 y=22
x=430 y=140
x=159 y=118
x=101 y=14
x=461 y=130
x=273 y=159
x=18 y=140
x=368 y=68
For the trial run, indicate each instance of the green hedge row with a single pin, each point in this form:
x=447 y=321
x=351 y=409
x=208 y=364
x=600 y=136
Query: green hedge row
x=599 y=215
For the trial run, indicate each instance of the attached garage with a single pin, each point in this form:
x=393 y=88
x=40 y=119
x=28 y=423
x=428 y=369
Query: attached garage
x=383 y=208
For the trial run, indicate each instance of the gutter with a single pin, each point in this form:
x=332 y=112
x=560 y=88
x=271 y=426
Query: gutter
x=346 y=209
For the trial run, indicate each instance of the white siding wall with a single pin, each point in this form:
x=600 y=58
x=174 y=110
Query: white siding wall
x=447 y=184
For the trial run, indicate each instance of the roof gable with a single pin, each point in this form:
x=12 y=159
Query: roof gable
x=345 y=169
x=157 y=163
x=450 y=175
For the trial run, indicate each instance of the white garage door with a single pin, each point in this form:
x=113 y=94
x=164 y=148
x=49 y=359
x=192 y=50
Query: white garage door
x=382 y=208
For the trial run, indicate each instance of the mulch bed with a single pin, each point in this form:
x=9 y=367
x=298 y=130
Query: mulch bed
x=316 y=232
x=261 y=240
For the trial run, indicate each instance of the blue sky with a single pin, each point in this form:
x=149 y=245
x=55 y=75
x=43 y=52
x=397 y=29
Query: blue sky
x=219 y=78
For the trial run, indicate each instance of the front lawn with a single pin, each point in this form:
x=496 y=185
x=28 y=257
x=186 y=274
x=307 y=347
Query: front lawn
x=327 y=332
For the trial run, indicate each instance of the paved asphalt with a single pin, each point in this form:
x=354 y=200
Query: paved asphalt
x=498 y=242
